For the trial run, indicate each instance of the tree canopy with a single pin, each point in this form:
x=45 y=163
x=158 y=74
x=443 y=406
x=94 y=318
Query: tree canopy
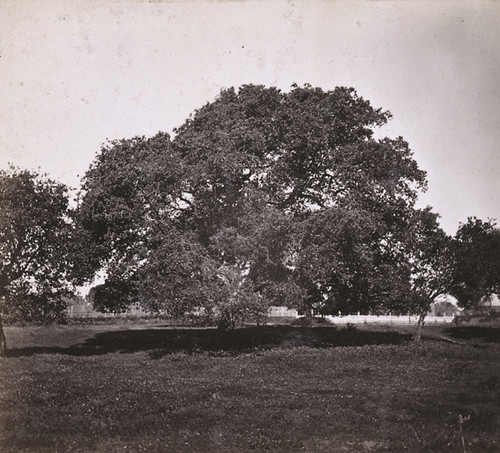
x=35 y=247
x=239 y=191
x=476 y=262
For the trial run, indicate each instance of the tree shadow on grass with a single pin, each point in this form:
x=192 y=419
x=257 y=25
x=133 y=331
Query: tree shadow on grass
x=160 y=342
x=488 y=334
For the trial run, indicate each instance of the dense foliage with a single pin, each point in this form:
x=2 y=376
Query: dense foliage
x=262 y=197
x=35 y=242
x=476 y=262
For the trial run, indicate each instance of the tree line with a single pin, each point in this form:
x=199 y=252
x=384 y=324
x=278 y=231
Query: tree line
x=262 y=197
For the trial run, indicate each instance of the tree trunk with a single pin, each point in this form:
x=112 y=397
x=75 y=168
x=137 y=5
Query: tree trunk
x=3 y=343
x=420 y=324
x=226 y=322
x=307 y=320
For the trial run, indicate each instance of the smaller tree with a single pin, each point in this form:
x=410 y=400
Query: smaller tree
x=430 y=263
x=412 y=267
x=476 y=262
x=35 y=233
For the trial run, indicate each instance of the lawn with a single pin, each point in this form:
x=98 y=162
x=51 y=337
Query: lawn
x=119 y=388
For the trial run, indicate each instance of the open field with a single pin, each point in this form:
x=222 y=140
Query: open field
x=118 y=388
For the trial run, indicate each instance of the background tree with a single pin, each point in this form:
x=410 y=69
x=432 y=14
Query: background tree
x=241 y=180
x=476 y=262
x=429 y=256
x=35 y=243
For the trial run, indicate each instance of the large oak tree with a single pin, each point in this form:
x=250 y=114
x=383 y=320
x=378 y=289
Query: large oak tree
x=230 y=200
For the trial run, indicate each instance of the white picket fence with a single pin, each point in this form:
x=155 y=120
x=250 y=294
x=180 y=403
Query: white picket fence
x=387 y=319
x=365 y=319
x=86 y=311
x=282 y=311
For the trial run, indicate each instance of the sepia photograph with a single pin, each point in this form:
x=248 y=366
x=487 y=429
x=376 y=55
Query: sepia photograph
x=249 y=226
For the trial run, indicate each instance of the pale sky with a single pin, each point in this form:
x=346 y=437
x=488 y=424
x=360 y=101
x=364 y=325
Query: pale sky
x=73 y=74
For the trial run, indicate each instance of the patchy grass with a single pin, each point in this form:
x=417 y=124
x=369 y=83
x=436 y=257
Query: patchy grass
x=285 y=389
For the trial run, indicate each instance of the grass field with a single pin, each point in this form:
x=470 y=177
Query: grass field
x=120 y=388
